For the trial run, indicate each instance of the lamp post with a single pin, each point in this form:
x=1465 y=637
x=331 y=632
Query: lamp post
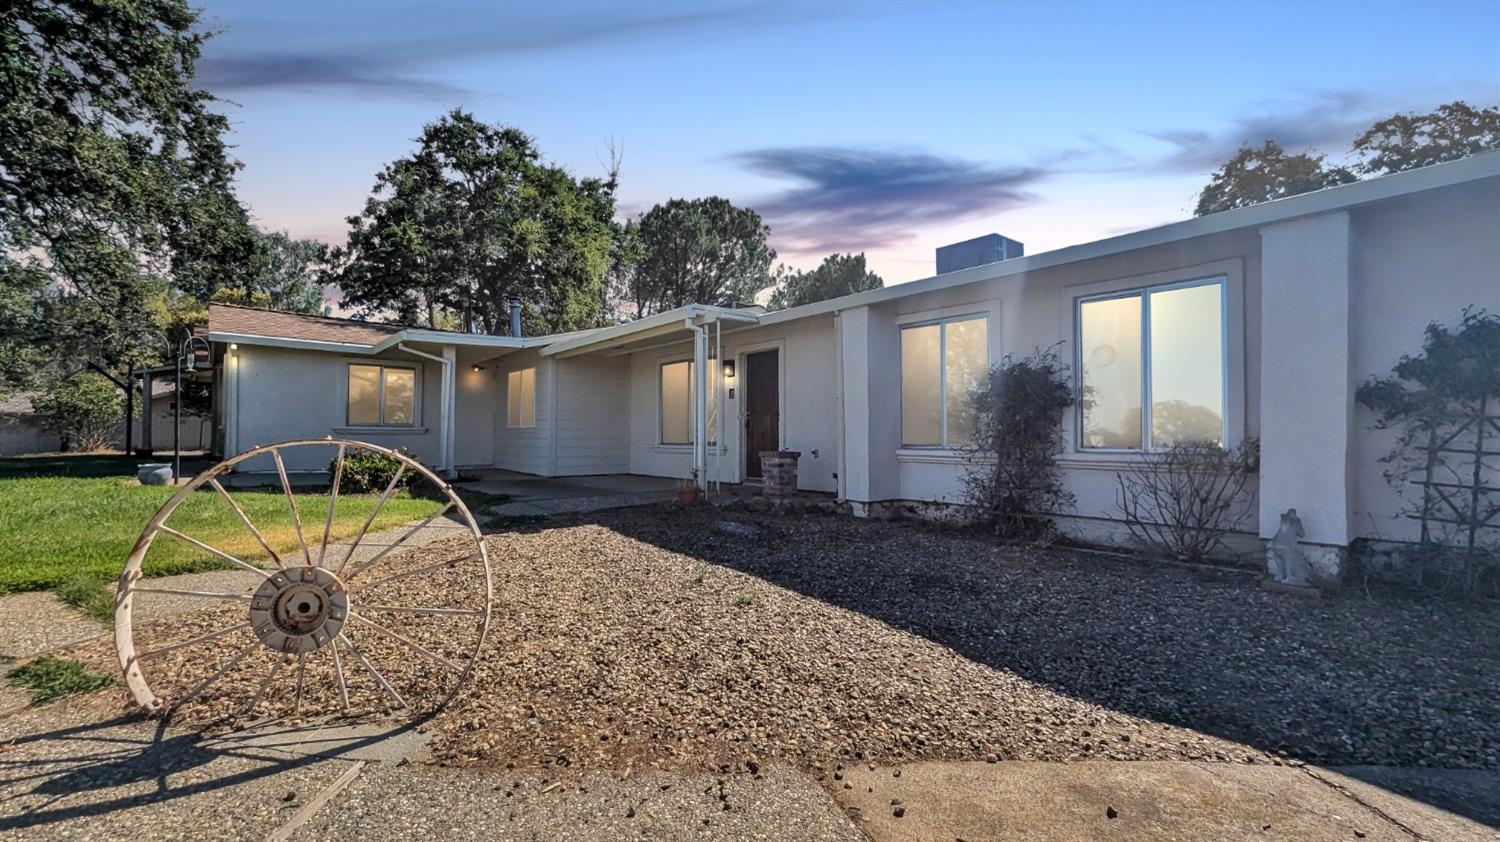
x=185 y=352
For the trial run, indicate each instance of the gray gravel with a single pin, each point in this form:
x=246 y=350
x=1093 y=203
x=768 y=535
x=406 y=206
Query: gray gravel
x=73 y=770
x=38 y=622
x=427 y=803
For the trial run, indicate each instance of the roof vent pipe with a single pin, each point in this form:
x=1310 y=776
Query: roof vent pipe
x=515 y=319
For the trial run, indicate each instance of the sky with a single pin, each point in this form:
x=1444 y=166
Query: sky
x=887 y=128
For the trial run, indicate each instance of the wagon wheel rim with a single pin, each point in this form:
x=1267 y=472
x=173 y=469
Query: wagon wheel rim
x=321 y=612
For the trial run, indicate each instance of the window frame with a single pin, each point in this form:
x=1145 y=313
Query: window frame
x=1144 y=293
x=941 y=322
x=416 y=392
x=520 y=415
x=661 y=417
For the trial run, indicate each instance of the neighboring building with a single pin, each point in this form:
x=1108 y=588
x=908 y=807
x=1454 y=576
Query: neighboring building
x=1259 y=322
x=21 y=429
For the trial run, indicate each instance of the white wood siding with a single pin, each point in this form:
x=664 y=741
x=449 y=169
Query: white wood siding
x=592 y=406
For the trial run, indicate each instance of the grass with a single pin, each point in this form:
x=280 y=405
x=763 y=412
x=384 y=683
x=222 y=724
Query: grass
x=49 y=679
x=68 y=522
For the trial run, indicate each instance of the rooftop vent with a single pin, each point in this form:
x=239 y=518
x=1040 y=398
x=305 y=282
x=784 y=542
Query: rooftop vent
x=990 y=248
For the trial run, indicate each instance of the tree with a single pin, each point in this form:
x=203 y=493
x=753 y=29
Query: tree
x=1407 y=141
x=115 y=184
x=839 y=274
x=1256 y=175
x=85 y=410
x=472 y=221
x=287 y=275
x=698 y=251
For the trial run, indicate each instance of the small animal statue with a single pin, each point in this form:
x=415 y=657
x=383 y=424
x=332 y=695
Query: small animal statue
x=1285 y=562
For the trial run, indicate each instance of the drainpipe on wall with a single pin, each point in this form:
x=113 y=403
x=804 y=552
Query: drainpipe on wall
x=840 y=491
x=700 y=404
x=445 y=420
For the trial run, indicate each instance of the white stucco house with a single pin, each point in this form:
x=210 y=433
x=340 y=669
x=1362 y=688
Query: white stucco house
x=1260 y=321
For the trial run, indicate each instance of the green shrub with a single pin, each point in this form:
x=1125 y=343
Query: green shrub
x=49 y=679
x=85 y=410
x=369 y=472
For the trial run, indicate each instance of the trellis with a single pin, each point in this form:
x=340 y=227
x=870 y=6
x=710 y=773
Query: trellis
x=1459 y=505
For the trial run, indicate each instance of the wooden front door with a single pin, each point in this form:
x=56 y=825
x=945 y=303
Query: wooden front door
x=762 y=408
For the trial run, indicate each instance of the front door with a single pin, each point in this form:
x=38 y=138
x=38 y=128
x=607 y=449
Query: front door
x=762 y=408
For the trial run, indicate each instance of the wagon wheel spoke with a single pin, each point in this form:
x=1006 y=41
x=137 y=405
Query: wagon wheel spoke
x=338 y=669
x=375 y=510
x=409 y=643
x=379 y=679
x=245 y=519
x=233 y=597
x=412 y=609
x=360 y=568
x=406 y=574
x=291 y=502
x=260 y=692
x=218 y=674
x=193 y=641
x=301 y=682
x=211 y=550
x=333 y=499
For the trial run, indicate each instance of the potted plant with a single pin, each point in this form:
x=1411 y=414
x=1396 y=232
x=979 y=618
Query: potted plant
x=687 y=490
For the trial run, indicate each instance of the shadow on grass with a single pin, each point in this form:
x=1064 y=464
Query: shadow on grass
x=90 y=465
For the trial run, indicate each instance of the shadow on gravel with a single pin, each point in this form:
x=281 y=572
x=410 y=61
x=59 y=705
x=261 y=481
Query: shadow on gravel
x=84 y=762
x=1384 y=680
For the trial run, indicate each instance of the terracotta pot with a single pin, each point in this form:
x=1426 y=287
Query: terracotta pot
x=687 y=495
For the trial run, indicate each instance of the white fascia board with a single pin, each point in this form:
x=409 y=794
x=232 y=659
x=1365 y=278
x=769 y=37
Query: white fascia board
x=646 y=328
x=288 y=342
x=1474 y=168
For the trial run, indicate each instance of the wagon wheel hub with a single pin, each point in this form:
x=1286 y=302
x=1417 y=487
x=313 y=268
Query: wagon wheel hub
x=299 y=610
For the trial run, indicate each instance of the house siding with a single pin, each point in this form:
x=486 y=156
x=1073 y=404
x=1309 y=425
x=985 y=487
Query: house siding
x=525 y=449
x=592 y=411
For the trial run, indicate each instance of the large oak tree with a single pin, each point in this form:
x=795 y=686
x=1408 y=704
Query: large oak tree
x=474 y=220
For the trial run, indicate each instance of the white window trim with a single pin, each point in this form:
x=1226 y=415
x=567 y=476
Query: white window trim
x=948 y=316
x=1144 y=293
x=416 y=397
x=662 y=363
x=518 y=426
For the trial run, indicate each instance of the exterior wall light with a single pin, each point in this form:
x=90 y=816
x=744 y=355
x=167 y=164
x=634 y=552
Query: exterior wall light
x=729 y=369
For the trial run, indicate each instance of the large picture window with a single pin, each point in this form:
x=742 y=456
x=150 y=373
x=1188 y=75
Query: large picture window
x=382 y=396
x=520 y=398
x=678 y=395
x=1151 y=365
x=942 y=365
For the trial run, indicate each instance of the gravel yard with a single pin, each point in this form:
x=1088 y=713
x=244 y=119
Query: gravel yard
x=656 y=637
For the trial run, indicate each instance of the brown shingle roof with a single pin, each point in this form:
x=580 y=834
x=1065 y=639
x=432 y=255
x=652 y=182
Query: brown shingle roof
x=250 y=321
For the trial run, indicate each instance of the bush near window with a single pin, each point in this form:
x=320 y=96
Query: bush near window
x=84 y=410
x=1182 y=500
x=370 y=472
x=1012 y=480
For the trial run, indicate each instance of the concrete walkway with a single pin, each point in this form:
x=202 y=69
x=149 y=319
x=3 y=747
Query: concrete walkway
x=533 y=495
x=1169 y=800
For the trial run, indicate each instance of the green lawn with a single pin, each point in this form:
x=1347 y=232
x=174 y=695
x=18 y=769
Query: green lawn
x=67 y=523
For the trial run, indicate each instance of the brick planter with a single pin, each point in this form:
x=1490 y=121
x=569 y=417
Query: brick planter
x=778 y=470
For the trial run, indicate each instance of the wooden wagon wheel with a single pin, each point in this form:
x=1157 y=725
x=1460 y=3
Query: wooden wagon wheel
x=316 y=631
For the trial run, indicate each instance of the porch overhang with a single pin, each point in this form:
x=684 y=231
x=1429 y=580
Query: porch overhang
x=672 y=326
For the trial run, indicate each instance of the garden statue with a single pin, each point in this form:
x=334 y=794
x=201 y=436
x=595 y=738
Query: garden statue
x=1285 y=563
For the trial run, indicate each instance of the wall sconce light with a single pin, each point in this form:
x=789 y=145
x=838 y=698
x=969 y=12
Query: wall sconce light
x=478 y=367
x=234 y=346
x=729 y=369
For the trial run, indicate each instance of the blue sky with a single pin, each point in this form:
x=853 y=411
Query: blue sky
x=888 y=128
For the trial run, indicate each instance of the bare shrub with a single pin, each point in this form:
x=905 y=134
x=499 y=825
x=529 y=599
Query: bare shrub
x=1012 y=481
x=1182 y=500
